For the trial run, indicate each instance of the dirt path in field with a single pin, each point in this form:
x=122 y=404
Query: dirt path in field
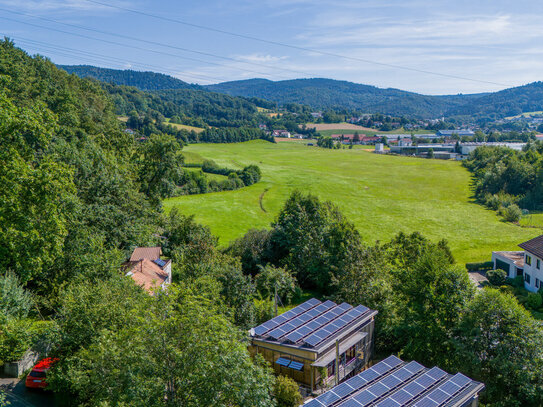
x=260 y=198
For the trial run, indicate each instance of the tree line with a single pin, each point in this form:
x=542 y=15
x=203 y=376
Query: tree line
x=507 y=180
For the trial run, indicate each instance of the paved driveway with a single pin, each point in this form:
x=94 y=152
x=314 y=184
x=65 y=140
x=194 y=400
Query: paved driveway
x=19 y=396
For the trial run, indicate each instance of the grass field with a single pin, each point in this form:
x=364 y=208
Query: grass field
x=381 y=194
x=184 y=126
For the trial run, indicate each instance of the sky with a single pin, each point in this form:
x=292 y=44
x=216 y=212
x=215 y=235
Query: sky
x=431 y=47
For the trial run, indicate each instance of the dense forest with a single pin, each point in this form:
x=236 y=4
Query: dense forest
x=141 y=80
x=79 y=193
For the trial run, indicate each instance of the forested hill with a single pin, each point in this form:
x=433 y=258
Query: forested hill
x=141 y=80
x=322 y=94
x=508 y=102
x=327 y=93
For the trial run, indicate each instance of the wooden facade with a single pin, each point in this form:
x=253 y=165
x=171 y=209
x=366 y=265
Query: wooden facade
x=355 y=345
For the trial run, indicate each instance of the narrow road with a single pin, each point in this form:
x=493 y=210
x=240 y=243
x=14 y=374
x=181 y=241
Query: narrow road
x=19 y=396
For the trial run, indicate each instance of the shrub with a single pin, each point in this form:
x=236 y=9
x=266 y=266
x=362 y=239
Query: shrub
x=534 y=300
x=487 y=265
x=496 y=277
x=264 y=310
x=286 y=392
x=511 y=214
x=517 y=282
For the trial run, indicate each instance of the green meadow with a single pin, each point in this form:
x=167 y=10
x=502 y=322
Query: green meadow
x=382 y=195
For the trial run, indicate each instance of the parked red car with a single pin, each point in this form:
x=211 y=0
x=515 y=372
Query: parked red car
x=36 y=377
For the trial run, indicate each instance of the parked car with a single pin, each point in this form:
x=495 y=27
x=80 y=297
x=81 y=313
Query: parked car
x=36 y=377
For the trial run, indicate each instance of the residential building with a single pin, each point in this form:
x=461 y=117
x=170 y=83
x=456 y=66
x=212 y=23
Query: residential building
x=527 y=263
x=395 y=383
x=533 y=263
x=281 y=133
x=148 y=270
x=315 y=340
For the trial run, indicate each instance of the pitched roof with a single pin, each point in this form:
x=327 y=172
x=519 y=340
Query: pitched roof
x=393 y=382
x=146 y=274
x=313 y=324
x=151 y=253
x=534 y=246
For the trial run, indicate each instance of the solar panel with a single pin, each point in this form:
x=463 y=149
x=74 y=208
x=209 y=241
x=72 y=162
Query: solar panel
x=426 y=403
x=296 y=365
x=393 y=361
x=343 y=390
x=388 y=403
x=439 y=396
x=378 y=389
x=343 y=320
x=391 y=381
x=328 y=398
x=460 y=380
x=286 y=316
x=314 y=403
x=445 y=391
x=291 y=328
x=283 y=362
x=159 y=262
x=401 y=397
x=365 y=397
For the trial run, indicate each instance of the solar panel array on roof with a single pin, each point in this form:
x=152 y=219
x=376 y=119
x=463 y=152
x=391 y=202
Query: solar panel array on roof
x=310 y=323
x=393 y=383
x=286 y=316
x=335 y=325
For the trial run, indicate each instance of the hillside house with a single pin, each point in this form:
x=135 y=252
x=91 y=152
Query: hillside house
x=148 y=270
x=317 y=337
x=527 y=263
x=281 y=133
x=395 y=383
x=533 y=263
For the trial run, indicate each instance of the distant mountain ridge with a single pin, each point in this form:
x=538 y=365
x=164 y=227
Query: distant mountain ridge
x=149 y=81
x=322 y=94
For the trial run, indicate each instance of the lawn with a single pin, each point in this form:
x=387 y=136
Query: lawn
x=380 y=194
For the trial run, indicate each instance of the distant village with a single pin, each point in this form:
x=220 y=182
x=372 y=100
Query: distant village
x=443 y=144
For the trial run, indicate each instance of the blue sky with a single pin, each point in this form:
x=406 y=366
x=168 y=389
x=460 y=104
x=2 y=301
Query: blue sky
x=485 y=40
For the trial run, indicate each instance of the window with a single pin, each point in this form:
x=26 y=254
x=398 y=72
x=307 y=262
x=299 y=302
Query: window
x=350 y=355
x=331 y=368
x=527 y=278
x=537 y=282
x=528 y=260
x=537 y=264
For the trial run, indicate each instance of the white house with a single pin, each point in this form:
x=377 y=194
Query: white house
x=527 y=263
x=533 y=263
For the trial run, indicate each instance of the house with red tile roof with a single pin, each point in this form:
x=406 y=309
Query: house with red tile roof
x=148 y=270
